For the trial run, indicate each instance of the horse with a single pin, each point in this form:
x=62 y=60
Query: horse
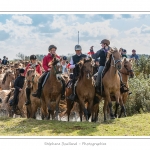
x=51 y=93
x=126 y=72
x=85 y=87
x=32 y=78
x=7 y=80
x=111 y=81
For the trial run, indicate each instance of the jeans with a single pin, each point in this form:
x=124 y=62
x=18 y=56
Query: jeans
x=100 y=70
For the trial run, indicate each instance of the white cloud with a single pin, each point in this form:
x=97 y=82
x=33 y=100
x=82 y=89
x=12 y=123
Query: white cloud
x=22 y=19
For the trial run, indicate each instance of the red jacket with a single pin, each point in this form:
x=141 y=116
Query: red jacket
x=46 y=60
x=38 y=68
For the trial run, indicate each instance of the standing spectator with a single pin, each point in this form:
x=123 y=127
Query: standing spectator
x=134 y=55
x=64 y=65
x=4 y=61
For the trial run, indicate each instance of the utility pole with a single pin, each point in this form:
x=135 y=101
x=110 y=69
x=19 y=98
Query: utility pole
x=78 y=37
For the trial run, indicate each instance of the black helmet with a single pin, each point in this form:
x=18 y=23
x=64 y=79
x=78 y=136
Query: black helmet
x=21 y=70
x=64 y=58
x=4 y=57
x=124 y=50
x=105 y=41
x=32 y=57
x=52 y=46
x=78 y=47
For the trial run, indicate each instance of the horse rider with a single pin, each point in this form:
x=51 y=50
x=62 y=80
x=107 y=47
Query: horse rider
x=102 y=54
x=32 y=65
x=4 y=61
x=75 y=59
x=18 y=85
x=124 y=53
x=46 y=60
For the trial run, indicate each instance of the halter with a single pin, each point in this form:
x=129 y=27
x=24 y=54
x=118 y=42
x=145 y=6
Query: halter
x=115 y=61
x=128 y=71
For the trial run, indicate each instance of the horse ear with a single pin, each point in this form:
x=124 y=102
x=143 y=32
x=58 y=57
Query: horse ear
x=130 y=60
x=125 y=60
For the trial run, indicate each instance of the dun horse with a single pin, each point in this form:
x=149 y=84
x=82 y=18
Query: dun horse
x=126 y=72
x=32 y=78
x=85 y=88
x=111 y=82
x=51 y=93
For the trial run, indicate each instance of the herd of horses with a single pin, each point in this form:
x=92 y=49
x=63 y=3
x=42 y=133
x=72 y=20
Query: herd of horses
x=87 y=100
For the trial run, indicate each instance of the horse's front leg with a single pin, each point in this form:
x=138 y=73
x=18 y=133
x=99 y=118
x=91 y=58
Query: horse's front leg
x=57 y=106
x=123 y=110
x=89 y=108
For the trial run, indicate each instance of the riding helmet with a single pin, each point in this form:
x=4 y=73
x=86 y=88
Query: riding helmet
x=52 y=46
x=78 y=47
x=21 y=70
x=33 y=57
x=105 y=41
x=133 y=50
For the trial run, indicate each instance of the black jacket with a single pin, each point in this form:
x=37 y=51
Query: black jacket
x=19 y=82
x=4 y=62
x=77 y=59
x=100 y=53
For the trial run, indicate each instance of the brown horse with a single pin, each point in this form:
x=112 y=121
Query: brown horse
x=85 y=88
x=126 y=72
x=51 y=92
x=111 y=82
x=32 y=78
x=7 y=80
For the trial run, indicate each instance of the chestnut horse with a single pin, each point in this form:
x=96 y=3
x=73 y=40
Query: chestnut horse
x=111 y=82
x=51 y=93
x=85 y=88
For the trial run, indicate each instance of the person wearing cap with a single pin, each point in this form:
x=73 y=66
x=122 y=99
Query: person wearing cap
x=32 y=65
x=134 y=55
x=102 y=54
x=123 y=53
x=4 y=61
x=64 y=65
x=18 y=85
x=46 y=60
x=74 y=65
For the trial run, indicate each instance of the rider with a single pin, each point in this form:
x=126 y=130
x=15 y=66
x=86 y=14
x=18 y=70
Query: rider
x=18 y=85
x=46 y=60
x=124 y=53
x=73 y=65
x=102 y=53
x=32 y=65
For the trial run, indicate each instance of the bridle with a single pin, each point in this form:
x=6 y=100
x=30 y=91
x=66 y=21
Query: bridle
x=115 y=61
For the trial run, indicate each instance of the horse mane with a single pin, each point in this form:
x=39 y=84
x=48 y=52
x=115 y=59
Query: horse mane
x=107 y=66
x=81 y=68
x=4 y=78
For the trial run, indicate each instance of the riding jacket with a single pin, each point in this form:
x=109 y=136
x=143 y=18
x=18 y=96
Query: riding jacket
x=46 y=60
x=102 y=53
x=30 y=65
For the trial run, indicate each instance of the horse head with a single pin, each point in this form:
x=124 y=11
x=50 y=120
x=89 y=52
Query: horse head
x=127 y=67
x=115 y=57
x=8 y=76
x=56 y=66
x=86 y=66
x=32 y=77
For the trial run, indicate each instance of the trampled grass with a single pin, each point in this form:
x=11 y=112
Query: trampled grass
x=137 y=125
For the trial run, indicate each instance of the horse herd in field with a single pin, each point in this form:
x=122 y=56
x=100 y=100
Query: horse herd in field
x=87 y=100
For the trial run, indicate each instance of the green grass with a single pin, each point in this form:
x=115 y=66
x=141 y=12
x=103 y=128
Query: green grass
x=137 y=125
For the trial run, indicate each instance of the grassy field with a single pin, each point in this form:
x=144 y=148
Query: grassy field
x=137 y=125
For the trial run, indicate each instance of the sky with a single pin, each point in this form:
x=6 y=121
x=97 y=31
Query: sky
x=33 y=33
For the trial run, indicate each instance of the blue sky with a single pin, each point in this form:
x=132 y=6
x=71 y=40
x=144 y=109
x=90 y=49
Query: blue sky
x=33 y=33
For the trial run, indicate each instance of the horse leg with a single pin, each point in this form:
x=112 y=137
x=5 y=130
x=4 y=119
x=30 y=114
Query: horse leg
x=80 y=112
x=116 y=109
x=123 y=110
x=57 y=106
x=69 y=107
x=89 y=108
x=105 y=109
